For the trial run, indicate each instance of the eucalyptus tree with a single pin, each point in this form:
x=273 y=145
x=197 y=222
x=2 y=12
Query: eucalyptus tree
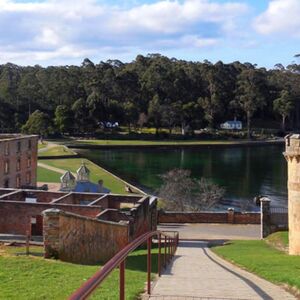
x=284 y=106
x=250 y=94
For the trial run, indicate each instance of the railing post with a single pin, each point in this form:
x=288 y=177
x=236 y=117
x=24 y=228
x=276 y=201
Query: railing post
x=165 y=255
x=159 y=255
x=169 y=248
x=149 y=242
x=122 y=280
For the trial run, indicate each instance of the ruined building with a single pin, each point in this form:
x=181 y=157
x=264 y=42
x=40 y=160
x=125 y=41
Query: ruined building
x=18 y=160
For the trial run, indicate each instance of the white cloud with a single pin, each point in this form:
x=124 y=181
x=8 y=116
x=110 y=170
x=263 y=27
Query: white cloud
x=281 y=16
x=58 y=29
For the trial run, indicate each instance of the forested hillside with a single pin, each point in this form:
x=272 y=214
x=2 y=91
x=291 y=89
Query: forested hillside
x=152 y=90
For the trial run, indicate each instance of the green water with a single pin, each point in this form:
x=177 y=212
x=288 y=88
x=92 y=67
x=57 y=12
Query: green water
x=244 y=171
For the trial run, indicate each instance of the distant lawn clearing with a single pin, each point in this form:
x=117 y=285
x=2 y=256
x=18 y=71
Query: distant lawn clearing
x=149 y=143
x=34 y=277
x=119 y=143
x=57 y=150
x=116 y=185
x=42 y=145
x=45 y=175
x=264 y=260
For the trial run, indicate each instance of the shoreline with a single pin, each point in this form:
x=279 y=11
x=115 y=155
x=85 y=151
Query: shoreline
x=175 y=145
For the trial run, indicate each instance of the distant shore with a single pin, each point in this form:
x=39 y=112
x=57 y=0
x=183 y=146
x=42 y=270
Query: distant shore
x=130 y=144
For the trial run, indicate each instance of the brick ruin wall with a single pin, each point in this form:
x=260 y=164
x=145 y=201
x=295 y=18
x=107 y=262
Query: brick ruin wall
x=230 y=217
x=78 y=239
x=15 y=216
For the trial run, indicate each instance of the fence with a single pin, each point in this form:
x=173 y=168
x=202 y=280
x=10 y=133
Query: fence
x=169 y=242
x=272 y=218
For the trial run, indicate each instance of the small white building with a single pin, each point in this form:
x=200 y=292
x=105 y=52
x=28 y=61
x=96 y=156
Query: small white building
x=232 y=125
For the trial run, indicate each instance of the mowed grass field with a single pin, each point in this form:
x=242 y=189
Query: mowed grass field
x=45 y=175
x=264 y=259
x=33 y=277
x=57 y=150
x=152 y=142
x=113 y=183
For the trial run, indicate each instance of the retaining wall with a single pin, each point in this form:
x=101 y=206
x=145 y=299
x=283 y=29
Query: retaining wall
x=229 y=216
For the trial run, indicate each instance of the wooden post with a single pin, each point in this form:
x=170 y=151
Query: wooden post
x=122 y=280
x=159 y=255
x=149 y=266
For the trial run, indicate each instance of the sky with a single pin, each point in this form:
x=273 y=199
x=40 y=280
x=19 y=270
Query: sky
x=64 y=32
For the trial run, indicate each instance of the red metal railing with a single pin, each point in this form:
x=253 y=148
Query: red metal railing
x=170 y=245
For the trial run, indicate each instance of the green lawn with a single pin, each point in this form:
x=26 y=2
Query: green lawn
x=158 y=142
x=72 y=164
x=45 y=175
x=263 y=259
x=279 y=240
x=42 y=145
x=58 y=150
x=33 y=277
x=150 y=143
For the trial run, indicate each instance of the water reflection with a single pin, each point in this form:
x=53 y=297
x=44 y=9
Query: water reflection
x=244 y=171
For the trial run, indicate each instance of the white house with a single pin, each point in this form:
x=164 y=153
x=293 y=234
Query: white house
x=232 y=125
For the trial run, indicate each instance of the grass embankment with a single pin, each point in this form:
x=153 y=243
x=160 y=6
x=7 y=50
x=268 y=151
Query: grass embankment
x=72 y=164
x=55 y=150
x=33 y=277
x=42 y=145
x=261 y=258
x=45 y=175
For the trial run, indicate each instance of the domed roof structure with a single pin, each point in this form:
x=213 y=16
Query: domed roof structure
x=82 y=183
x=83 y=173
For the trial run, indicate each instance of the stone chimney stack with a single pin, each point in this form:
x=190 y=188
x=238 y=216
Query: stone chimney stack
x=292 y=155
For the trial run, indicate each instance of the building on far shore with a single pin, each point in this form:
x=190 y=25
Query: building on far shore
x=82 y=183
x=232 y=125
x=18 y=160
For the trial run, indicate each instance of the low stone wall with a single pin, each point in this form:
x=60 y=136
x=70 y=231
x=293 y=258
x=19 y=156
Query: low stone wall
x=230 y=216
x=83 y=240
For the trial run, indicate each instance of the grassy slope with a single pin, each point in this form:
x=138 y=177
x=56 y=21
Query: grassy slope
x=111 y=182
x=261 y=258
x=33 y=277
x=42 y=146
x=58 y=150
x=45 y=175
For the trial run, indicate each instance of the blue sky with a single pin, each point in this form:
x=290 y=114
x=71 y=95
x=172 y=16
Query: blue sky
x=60 y=32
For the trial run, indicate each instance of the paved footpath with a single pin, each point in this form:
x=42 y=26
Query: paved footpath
x=197 y=273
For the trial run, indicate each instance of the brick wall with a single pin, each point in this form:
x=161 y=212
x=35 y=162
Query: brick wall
x=209 y=217
x=79 y=239
x=15 y=217
x=17 y=159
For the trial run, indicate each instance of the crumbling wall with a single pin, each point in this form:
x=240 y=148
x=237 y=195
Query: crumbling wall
x=83 y=240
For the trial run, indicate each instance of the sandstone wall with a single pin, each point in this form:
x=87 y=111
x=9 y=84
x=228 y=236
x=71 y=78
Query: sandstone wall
x=292 y=155
x=83 y=240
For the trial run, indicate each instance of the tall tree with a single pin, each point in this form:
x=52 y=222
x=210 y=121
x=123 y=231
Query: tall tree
x=38 y=123
x=63 y=119
x=250 y=94
x=154 y=112
x=284 y=105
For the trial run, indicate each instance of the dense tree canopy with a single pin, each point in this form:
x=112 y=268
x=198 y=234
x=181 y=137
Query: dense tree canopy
x=165 y=92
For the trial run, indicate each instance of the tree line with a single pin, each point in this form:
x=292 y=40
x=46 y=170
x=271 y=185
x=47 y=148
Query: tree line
x=152 y=90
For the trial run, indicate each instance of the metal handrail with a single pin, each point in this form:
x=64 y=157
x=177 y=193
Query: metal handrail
x=170 y=246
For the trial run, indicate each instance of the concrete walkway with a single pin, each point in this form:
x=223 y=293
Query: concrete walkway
x=214 y=231
x=197 y=273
